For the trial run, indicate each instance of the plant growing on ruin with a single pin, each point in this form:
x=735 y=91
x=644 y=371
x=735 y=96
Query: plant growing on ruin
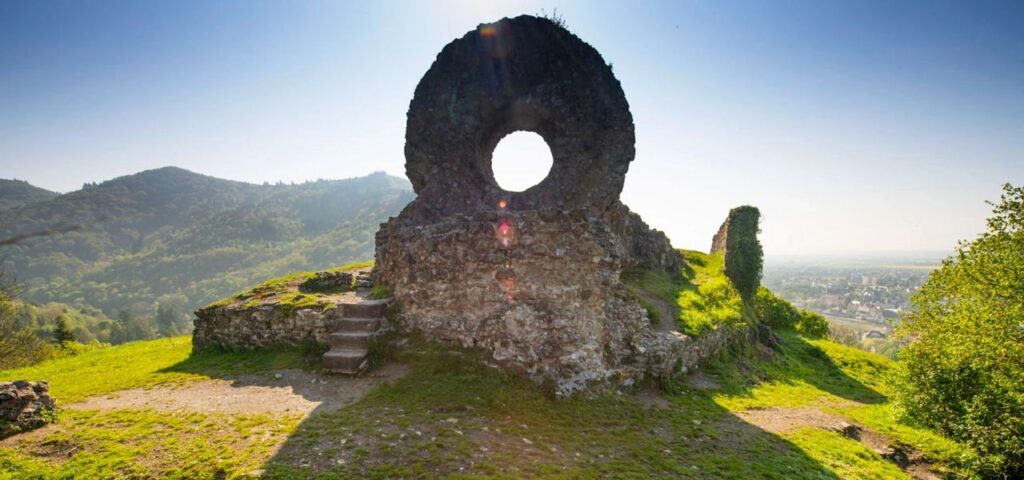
x=745 y=257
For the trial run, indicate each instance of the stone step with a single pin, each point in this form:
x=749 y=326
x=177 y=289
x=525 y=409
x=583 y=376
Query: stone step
x=347 y=361
x=351 y=335
x=349 y=340
x=365 y=309
x=354 y=325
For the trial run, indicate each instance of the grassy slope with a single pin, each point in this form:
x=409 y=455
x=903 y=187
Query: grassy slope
x=452 y=416
x=701 y=299
x=147 y=364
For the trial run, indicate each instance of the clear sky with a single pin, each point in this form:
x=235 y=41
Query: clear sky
x=855 y=126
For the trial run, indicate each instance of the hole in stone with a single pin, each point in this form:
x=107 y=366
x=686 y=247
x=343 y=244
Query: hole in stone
x=520 y=161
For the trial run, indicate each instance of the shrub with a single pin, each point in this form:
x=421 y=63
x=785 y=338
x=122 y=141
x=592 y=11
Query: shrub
x=776 y=312
x=963 y=372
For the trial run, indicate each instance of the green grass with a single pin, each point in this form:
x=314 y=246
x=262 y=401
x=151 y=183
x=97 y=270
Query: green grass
x=147 y=444
x=454 y=417
x=476 y=418
x=146 y=364
x=836 y=379
x=845 y=457
x=280 y=290
x=702 y=298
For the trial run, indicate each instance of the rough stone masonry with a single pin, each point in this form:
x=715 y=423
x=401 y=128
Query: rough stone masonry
x=531 y=277
x=24 y=406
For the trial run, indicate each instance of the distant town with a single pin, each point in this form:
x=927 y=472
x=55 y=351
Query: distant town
x=867 y=299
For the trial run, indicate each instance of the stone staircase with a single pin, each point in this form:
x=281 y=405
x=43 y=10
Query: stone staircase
x=352 y=334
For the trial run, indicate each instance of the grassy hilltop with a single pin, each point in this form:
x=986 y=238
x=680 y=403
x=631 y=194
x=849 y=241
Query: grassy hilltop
x=752 y=413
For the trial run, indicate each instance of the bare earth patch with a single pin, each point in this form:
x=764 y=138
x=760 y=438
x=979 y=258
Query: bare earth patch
x=288 y=392
x=778 y=420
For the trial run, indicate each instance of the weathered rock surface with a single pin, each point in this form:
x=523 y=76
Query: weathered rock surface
x=260 y=326
x=24 y=406
x=327 y=282
x=528 y=74
x=532 y=276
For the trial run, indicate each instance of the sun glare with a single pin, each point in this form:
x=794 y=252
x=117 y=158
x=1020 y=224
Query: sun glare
x=520 y=161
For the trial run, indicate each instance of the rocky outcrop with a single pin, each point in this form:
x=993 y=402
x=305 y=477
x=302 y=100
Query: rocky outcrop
x=24 y=406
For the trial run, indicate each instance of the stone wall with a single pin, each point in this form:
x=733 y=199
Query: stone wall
x=551 y=306
x=721 y=239
x=261 y=326
x=645 y=247
x=738 y=242
x=249 y=327
x=24 y=406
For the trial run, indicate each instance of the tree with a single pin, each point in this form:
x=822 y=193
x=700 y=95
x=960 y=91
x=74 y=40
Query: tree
x=62 y=334
x=134 y=327
x=963 y=372
x=19 y=345
x=171 y=320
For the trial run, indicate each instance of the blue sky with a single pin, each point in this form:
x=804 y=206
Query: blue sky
x=855 y=126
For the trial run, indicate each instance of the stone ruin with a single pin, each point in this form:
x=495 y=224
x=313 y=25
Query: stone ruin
x=532 y=277
x=737 y=241
x=24 y=406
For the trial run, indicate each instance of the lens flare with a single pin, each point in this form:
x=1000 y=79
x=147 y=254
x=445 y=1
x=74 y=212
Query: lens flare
x=488 y=31
x=502 y=204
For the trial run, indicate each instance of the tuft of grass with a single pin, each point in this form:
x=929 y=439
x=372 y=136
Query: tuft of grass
x=380 y=292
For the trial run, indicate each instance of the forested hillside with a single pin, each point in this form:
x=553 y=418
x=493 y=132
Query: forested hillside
x=173 y=239
x=15 y=193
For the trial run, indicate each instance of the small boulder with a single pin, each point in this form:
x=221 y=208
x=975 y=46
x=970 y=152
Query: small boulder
x=24 y=406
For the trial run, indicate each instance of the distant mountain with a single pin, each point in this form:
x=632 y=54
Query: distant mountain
x=15 y=193
x=173 y=237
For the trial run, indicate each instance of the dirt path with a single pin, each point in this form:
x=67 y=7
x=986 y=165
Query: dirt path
x=778 y=420
x=287 y=392
x=667 y=314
